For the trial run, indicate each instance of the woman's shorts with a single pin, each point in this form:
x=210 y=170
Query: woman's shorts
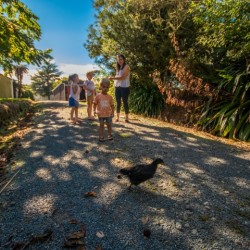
x=73 y=102
x=107 y=119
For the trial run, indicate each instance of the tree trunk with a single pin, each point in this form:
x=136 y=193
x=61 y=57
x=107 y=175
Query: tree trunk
x=20 y=89
x=48 y=91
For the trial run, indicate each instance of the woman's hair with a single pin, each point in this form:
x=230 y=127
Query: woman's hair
x=118 y=66
x=72 y=77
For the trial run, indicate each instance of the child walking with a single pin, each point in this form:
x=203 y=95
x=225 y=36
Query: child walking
x=104 y=108
x=89 y=86
x=74 y=97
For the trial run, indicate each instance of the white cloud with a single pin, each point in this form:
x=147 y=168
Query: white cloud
x=67 y=70
x=26 y=77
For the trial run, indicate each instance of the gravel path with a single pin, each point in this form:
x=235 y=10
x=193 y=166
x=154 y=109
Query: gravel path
x=199 y=199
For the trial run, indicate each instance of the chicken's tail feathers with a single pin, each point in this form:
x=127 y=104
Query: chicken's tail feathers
x=124 y=171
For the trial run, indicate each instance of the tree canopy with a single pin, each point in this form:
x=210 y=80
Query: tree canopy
x=45 y=77
x=197 y=52
x=19 y=29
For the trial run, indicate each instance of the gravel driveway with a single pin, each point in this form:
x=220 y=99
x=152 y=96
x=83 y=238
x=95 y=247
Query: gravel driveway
x=67 y=194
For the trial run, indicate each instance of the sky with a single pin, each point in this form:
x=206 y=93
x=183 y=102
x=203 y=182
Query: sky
x=64 y=25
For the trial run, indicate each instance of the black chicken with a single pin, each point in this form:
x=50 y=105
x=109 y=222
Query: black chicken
x=141 y=172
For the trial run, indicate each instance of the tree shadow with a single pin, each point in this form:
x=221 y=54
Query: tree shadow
x=201 y=192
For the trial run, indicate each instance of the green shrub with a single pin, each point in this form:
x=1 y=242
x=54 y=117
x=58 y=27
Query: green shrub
x=11 y=109
x=146 y=99
x=27 y=92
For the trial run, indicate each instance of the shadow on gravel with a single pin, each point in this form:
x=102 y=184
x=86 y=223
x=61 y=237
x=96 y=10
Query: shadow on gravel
x=198 y=200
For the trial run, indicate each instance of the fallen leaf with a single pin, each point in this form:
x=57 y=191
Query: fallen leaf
x=125 y=135
x=90 y=194
x=46 y=235
x=43 y=237
x=73 y=221
x=75 y=235
x=76 y=239
x=100 y=234
x=144 y=220
x=73 y=243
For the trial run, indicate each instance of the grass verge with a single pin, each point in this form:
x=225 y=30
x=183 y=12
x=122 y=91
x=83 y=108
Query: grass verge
x=16 y=116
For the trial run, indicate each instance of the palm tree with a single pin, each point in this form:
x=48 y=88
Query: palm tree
x=20 y=70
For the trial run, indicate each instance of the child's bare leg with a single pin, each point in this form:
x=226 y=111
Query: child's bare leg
x=71 y=113
x=76 y=112
x=90 y=106
x=101 y=130
x=117 y=116
x=109 y=127
x=90 y=109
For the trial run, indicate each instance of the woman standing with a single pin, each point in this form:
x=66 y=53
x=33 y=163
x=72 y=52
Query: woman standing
x=122 y=83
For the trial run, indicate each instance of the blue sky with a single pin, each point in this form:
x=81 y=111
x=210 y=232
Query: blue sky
x=64 y=25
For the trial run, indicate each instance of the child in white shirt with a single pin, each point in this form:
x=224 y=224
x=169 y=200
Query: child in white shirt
x=74 y=97
x=89 y=86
